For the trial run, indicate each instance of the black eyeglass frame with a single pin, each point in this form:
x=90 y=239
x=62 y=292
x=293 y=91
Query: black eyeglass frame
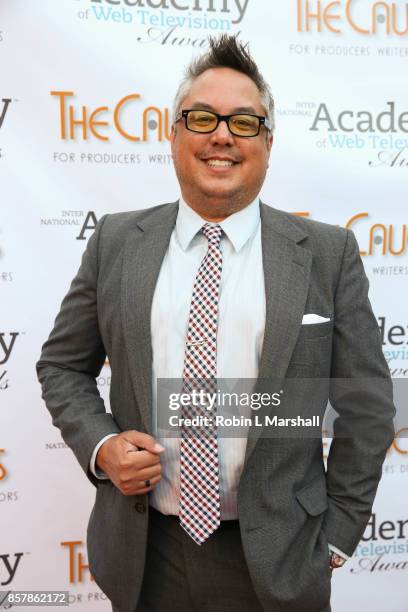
x=184 y=114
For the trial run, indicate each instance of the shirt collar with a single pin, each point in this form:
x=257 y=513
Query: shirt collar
x=239 y=226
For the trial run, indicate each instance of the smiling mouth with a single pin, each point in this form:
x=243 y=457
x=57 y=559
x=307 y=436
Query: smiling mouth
x=220 y=163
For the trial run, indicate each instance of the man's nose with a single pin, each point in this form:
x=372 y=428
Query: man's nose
x=222 y=135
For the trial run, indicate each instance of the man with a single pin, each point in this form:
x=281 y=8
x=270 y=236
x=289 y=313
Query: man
x=219 y=285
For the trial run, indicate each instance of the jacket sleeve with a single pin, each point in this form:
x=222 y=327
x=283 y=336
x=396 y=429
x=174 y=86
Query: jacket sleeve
x=71 y=360
x=361 y=394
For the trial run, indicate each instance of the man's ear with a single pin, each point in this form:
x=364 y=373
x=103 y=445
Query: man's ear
x=172 y=133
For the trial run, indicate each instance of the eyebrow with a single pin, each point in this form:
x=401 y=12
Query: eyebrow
x=238 y=109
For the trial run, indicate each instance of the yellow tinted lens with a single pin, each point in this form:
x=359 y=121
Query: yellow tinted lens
x=201 y=121
x=244 y=125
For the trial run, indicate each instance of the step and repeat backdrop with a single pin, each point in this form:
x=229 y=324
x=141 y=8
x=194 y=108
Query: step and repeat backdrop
x=86 y=89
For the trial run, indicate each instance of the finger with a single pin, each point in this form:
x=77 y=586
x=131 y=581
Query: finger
x=142 y=459
x=149 y=472
x=141 y=487
x=149 y=482
x=142 y=440
x=138 y=487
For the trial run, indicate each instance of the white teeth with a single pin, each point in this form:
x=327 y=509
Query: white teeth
x=219 y=162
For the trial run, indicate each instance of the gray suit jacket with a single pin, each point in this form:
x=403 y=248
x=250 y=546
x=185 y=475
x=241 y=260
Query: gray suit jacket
x=288 y=507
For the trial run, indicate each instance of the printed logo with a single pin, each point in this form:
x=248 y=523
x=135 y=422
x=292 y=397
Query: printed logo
x=3 y=471
x=7 y=344
x=377 y=239
x=8 y=566
x=5 y=496
x=233 y=9
x=4 y=106
x=78 y=568
x=55 y=445
x=84 y=123
x=380 y=539
x=394 y=339
x=385 y=133
x=169 y=22
x=380 y=238
x=79 y=575
x=89 y=224
x=66 y=218
x=84 y=222
x=399 y=445
x=390 y=18
x=362 y=121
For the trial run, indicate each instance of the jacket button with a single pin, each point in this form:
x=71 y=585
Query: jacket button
x=140 y=507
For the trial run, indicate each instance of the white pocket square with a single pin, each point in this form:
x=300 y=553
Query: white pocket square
x=309 y=319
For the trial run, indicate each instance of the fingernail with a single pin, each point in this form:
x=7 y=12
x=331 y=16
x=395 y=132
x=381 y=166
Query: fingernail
x=158 y=447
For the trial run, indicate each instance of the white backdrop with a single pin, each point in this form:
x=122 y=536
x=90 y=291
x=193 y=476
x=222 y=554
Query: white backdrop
x=338 y=72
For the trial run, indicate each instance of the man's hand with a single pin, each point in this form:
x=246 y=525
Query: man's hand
x=130 y=459
x=336 y=561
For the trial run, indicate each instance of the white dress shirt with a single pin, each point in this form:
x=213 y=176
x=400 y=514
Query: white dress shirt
x=241 y=323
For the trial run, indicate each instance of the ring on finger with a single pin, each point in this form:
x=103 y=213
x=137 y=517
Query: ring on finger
x=147 y=483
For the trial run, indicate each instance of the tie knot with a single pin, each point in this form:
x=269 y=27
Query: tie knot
x=213 y=233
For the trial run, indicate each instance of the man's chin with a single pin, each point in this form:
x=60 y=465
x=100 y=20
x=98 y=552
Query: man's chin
x=221 y=192
x=216 y=204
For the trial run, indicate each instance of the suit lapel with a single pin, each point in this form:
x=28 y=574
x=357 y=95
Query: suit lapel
x=286 y=272
x=143 y=256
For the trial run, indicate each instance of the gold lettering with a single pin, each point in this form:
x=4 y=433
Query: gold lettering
x=352 y=220
x=309 y=15
x=73 y=122
x=395 y=444
x=82 y=566
x=404 y=240
x=160 y=122
x=71 y=547
x=116 y=117
x=374 y=16
x=3 y=471
x=93 y=123
x=299 y=15
x=394 y=20
x=327 y=17
x=384 y=240
x=350 y=19
x=167 y=126
x=62 y=95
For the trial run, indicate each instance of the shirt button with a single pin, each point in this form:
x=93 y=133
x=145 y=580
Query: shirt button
x=140 y=507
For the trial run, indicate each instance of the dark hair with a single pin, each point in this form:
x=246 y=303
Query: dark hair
x=226 y=51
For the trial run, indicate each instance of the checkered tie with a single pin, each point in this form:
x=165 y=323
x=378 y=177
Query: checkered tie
x=199 y=480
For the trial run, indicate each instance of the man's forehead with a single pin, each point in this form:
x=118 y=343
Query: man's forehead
x=226 y=87
x=236 y=109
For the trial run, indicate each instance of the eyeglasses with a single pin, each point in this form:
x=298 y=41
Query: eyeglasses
x=205 y=122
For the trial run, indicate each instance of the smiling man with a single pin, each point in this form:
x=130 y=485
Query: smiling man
x=219 y=285
x=221 y=166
